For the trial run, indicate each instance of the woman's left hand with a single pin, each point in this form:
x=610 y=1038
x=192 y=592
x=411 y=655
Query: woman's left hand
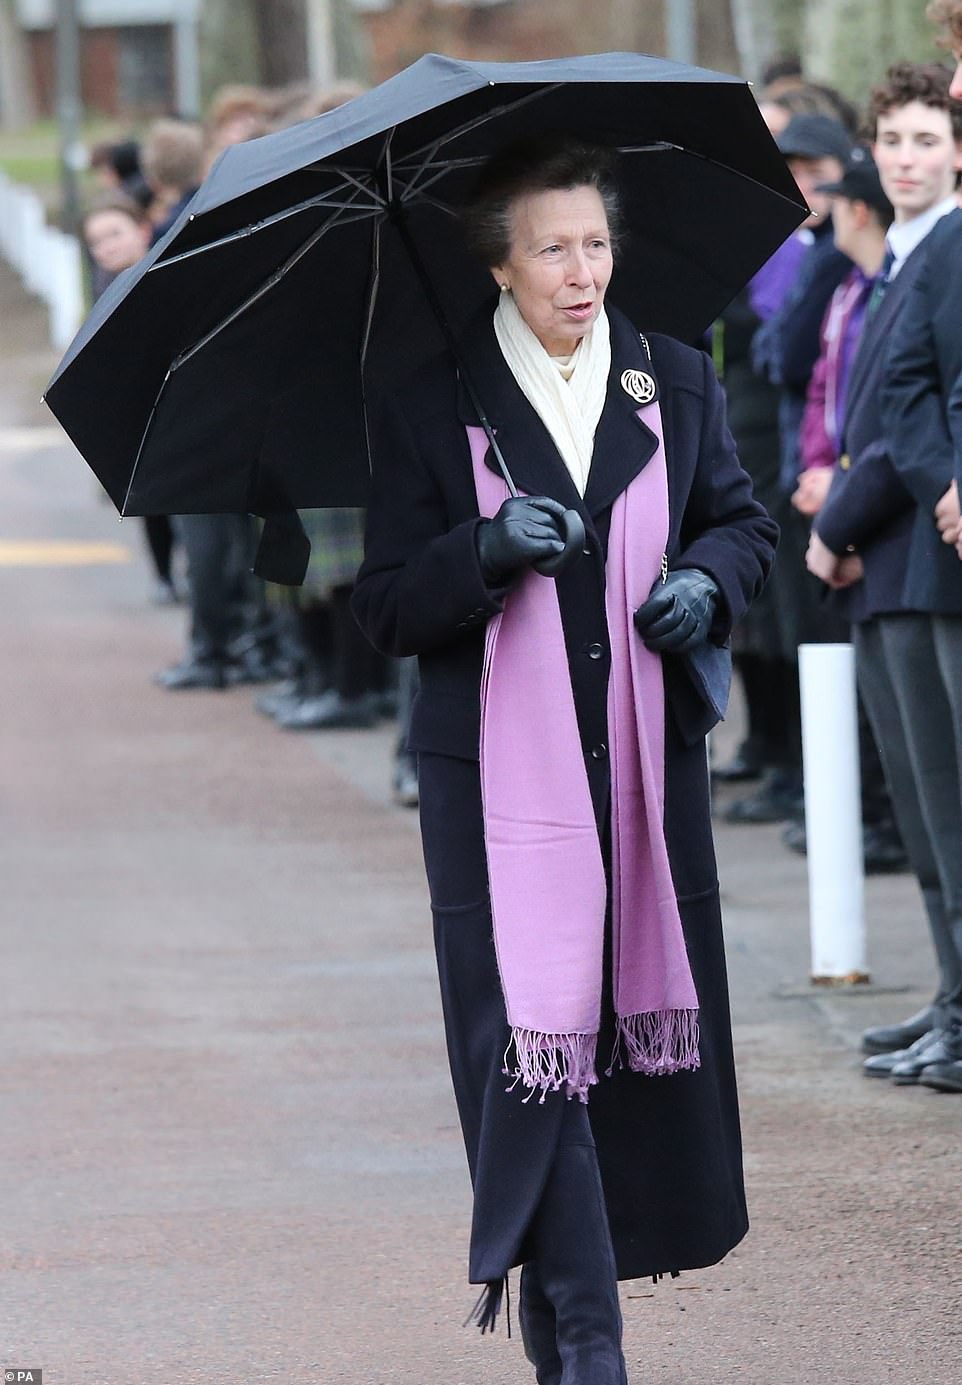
x=679 y=612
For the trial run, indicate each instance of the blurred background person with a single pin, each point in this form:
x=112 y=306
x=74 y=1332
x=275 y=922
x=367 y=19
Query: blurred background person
x=173 y=162
x=117 y=233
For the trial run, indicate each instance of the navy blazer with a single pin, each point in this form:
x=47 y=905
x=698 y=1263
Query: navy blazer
x=420 y=589
x=923 y=366
x=868 y=507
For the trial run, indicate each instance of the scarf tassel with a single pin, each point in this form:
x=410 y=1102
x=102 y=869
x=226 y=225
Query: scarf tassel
x=548 y=1062
x=659 y=1043
x=485 y=1312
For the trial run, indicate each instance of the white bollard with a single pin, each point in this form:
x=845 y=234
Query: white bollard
x=833 y=813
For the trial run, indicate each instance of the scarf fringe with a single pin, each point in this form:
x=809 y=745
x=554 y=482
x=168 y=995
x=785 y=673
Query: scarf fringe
x=485 y=1312
x=658 y=1043
x=548 y=1062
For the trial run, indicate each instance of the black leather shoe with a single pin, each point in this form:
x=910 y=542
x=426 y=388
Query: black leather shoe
x=746 y=764
x=328 y=712
x=906 y=1072
x=884 y=1064
x=883 y=852
x=888 y=1038
x=794 y=837
x=405 y=785
x=192 y=675
x=944 y=1077
x=780 y=797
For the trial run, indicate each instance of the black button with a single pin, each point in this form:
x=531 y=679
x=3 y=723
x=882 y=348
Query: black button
x=595 y=651
x=599 y=751
x=586 y=552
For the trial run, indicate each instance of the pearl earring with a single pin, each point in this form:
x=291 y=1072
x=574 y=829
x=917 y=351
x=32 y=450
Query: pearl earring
x=504 y=288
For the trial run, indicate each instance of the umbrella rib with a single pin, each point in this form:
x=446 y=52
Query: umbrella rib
x=265 y=288
x=143 y=442
x=324 y=200
x=191 y=351
x=431 y=149
x=746 y=177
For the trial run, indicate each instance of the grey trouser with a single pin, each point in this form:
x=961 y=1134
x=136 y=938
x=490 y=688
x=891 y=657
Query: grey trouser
x=219 y=552
x=910 y=678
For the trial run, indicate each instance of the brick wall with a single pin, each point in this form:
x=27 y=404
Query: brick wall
x=527 y=29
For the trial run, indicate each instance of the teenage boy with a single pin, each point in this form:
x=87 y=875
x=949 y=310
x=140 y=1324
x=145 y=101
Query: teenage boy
x=881 y=509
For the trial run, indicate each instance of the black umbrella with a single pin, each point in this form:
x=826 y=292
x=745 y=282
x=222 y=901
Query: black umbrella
x=231 y=369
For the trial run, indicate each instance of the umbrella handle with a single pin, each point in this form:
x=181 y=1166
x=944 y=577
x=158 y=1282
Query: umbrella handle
x=573 y=534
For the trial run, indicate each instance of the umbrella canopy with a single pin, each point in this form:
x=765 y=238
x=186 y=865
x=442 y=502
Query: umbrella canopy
x=232 y=369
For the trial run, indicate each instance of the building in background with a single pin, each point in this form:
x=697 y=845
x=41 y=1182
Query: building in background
x=138 y=57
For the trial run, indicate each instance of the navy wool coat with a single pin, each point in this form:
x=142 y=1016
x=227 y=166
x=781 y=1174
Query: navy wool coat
x=668 y=1147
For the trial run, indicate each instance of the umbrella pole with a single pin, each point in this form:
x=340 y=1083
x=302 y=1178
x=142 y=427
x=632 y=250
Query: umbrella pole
x=400 y=222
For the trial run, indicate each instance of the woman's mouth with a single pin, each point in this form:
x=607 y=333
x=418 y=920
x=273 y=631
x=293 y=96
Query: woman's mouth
x=579 y=311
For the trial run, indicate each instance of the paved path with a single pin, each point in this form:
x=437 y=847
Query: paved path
x=229 y=1148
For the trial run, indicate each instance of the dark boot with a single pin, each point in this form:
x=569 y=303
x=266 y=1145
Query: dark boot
x=538 y=1327
x=576 y=1267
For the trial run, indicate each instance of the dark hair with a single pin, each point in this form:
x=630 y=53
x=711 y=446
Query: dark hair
x=947 y=14
x=812 y=98
x=116 y=202
x=907 y=82
x=546 y=163
x=781 y=66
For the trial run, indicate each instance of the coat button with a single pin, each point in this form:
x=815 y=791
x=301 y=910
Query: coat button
x=599 y=751
x=586 y=552
x=595 y=651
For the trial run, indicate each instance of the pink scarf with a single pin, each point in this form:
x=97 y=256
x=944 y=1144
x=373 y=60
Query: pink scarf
x=541 y=836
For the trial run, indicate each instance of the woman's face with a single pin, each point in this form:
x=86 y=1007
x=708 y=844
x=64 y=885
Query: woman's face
x=115 y=240
x=559 y=265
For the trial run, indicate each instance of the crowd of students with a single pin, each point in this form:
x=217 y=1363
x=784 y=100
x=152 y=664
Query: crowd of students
x=240 y=630
x=842 y=365
x=842 y=362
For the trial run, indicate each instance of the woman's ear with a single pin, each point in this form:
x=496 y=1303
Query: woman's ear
x=500 y=277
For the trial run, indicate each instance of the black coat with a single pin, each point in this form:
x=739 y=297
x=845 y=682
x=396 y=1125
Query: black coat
x=668 y=1148
x=869 y=507
x=923 y=368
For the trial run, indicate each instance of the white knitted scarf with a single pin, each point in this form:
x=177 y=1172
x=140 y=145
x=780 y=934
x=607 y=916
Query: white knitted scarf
x=568 y=401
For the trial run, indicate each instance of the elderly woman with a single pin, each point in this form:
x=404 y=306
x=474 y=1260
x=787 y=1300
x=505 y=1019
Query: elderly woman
x=560 y=732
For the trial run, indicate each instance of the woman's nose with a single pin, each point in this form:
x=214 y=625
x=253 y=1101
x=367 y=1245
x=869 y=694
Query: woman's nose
x=579 y=271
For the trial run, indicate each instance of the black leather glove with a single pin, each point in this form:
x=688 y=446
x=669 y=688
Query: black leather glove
x=679 y=612
x=526 y=529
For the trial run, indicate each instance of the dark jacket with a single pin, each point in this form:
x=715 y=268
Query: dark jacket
x=668 y=1148
x=868 y=507
x=787 y=346
x=923 y=367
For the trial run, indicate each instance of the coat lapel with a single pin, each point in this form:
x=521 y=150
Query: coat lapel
x=623 y=444
x=876 y=327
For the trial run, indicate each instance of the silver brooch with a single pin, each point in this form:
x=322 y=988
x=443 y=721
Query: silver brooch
x=639 y=385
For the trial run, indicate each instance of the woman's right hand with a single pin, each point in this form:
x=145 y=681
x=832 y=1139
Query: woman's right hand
x=525 y=530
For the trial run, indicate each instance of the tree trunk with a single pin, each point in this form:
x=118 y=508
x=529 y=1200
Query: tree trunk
x=281 y=31
x=764 y=28
x=17 y=105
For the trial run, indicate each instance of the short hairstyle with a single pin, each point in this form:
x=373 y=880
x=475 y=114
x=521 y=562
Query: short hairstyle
x=813 y=98
x=173 y=154
x=545 y=163
x=117 y=202
x=236 y=99
x=906 y=82
x=779 y=67
x=947 y=14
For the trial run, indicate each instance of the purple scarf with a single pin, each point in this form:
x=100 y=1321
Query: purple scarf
x=541 y=836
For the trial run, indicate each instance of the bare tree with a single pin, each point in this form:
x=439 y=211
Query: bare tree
x=281 y=30
x=17 y=105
